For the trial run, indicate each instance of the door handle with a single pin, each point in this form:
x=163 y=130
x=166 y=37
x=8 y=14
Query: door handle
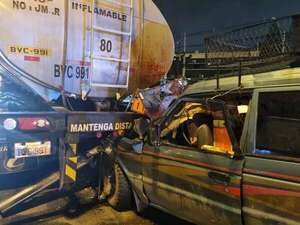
x=138 y=147
x=219 y=178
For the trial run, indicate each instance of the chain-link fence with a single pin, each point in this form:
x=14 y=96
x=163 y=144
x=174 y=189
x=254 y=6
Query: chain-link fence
x=190 y=42
x=276 y=40
x=250 y=48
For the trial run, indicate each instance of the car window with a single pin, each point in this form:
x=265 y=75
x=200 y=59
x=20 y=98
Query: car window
x=16 y=98
x=278 y=124
x=198 y=126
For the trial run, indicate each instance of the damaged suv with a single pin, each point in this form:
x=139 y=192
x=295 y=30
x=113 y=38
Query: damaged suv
x=226 y=158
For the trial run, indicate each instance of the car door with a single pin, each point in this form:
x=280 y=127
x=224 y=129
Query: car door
x=271 y=176
x=202 y=186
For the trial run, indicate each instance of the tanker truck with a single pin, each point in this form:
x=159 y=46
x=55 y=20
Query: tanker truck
x=62 y=64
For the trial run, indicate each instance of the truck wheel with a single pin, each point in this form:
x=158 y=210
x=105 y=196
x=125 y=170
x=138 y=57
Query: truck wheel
x=117 y=189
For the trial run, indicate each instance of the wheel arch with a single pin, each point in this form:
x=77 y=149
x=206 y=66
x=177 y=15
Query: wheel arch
x=137 y=187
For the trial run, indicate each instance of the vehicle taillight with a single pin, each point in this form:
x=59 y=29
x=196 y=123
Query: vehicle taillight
x=33 y=123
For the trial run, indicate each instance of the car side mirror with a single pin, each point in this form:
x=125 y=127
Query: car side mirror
x=141 y=127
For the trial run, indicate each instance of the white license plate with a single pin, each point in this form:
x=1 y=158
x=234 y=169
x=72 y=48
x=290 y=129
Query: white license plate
x=31 y=149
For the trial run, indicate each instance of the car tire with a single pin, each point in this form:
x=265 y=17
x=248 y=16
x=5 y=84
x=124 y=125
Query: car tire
x=121 y=196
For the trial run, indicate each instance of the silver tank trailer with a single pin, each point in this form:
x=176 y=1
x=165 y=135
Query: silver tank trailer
x=86 y=47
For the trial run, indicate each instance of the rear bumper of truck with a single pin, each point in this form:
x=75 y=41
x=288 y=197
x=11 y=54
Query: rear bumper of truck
x=22 y=132
x=81 y=141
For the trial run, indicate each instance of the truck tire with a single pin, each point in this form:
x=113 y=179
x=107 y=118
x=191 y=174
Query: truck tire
x=120 y=197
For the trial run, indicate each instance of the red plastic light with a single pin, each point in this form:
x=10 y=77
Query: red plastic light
x=33 y=123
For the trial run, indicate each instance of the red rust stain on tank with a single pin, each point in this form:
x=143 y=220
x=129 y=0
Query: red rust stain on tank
x=152 y=55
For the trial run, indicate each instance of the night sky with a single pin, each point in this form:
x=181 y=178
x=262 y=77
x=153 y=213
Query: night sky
x=200 y=15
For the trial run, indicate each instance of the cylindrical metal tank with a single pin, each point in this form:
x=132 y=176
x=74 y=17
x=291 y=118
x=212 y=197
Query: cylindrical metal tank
x=94 y=47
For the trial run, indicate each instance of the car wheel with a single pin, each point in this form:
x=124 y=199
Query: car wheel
x=117 y=189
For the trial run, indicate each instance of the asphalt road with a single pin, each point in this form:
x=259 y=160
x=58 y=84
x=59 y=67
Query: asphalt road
x=54 y=208
x=58 y=209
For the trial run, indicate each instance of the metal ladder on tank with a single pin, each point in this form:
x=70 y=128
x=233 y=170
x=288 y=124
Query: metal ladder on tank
x=98 y=29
